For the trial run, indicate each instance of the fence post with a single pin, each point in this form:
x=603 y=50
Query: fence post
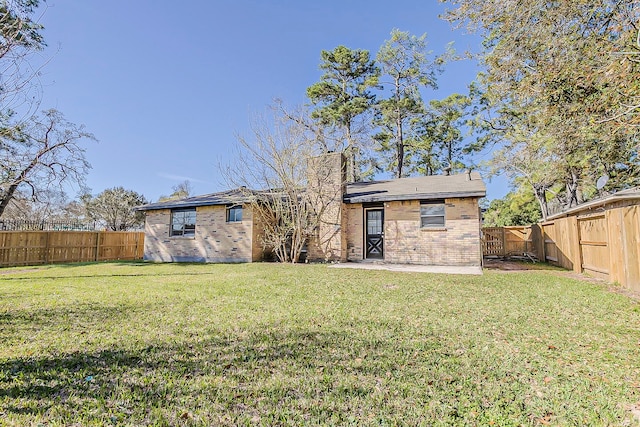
x=615 y=272
x=543 y=243
x=138 y=235
x=47 y=246
x=97 y=245
x=577 y=266
x=504 y=243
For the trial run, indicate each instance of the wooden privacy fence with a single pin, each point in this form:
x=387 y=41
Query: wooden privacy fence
x=605 y=244
x=48 y=247
x=507 y=241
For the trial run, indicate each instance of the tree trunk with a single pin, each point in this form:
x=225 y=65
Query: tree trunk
x=400 y=157
x=400 y=146
x=352 y=173
x=572 y=190
x=8 y=195
x=399 y=139
x=540 y=192
x=11 y=191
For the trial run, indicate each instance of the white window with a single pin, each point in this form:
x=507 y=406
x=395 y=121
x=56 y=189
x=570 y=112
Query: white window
x=432 y=214
x=234 y=214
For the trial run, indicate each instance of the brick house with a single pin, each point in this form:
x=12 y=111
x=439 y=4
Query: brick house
x=216 y=227
x=430 y=220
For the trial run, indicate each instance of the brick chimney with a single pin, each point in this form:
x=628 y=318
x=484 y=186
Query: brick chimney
x=326 y=185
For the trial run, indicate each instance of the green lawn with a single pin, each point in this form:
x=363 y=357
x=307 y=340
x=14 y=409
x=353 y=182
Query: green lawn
x=267 y=344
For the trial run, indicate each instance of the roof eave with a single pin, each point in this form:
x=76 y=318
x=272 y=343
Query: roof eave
x=180 y=205
x=191 y=204
x=370 y=198
x=594 y=204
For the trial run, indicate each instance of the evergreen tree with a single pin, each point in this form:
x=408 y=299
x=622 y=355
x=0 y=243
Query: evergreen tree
x=406 y=69
x=343 y=95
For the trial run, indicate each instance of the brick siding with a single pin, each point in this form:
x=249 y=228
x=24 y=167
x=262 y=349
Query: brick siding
x=339 y=236
x=457 y=243
x=215 y=240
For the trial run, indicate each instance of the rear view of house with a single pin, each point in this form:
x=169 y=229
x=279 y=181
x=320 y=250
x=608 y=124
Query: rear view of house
x=430 y=220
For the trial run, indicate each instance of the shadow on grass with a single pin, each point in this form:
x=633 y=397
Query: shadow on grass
x=86 y=313
x=291 y=377
x=300 y=369
x=518 y=265
x=88 y=276
x=116 y=264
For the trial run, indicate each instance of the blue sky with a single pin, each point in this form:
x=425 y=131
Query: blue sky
x=166 y=86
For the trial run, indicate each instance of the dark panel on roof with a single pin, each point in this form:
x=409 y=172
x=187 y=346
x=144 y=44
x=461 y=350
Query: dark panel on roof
x=222 y=198
x=417 y=188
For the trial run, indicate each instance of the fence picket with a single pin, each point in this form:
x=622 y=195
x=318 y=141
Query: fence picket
x=43 y=247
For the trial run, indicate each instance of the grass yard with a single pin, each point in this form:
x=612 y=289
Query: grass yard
x=133 y=344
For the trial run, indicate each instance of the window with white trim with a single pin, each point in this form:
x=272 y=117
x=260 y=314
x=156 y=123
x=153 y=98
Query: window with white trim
x=234 y=213
x=432 y=214
x=183 y=222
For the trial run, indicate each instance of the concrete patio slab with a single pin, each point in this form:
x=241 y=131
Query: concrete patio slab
x=411 y=268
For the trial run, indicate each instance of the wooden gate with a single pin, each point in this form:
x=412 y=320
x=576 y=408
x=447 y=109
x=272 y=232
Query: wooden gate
x=493 y=241
x=507 y=241
x=549 y=242
x=594 y=251
x=603 y=242
x=579 y=243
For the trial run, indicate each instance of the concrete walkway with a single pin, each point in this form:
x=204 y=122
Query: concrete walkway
x=411 y=268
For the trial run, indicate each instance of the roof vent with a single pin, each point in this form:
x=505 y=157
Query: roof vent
x=447 y=170
x=468 y=173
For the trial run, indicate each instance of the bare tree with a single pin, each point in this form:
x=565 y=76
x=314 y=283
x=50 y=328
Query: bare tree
x=20 y=39
x=39 y=154
x=42 y=153
x=51 y=206
x=277 y=161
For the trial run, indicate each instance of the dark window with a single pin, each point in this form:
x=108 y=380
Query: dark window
x=234 y=214
x=374 y=222
x=432 y=214
x=183 y=222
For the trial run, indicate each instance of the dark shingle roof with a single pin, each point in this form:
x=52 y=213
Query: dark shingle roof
x=228 y=197
x=417 y=188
